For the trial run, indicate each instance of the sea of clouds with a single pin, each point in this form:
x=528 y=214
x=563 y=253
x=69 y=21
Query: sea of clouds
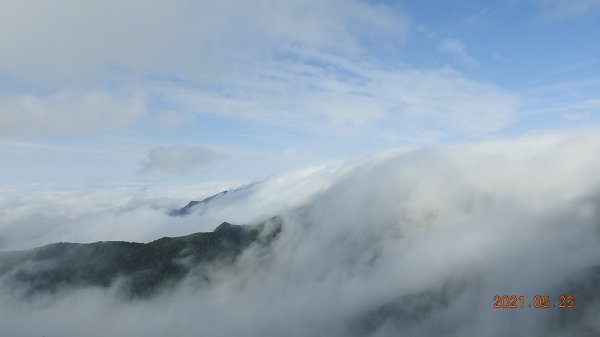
x=400 y=243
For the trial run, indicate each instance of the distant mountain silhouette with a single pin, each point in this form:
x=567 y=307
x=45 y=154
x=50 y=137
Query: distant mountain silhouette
x=187 y=209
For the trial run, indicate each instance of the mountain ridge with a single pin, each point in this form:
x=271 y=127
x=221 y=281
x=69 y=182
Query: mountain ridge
x=144 y=268
x=187 y=209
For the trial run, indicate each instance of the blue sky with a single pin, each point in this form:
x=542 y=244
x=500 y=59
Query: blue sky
x=151 y=92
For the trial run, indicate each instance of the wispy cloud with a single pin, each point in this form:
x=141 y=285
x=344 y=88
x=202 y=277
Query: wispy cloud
x=171 y=119
x=562 y=99
x=179 y=159
x=457 y=49
x=341 y=94
x=43 y=43
x=566 y=9
x=69 y=111
x=183 y=43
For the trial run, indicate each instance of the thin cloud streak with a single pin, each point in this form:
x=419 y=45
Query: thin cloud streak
x=72 y=111
x=179 y=159
x=457 y=48
x=348 y=95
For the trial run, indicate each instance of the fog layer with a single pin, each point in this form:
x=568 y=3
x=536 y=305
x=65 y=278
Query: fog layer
x=397 y=244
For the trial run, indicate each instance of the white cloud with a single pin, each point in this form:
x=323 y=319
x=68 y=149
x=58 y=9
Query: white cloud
x=182 y=42
x=566 y=9
x=564 y=100
x=345 y=95
x=171 y=120
x=69 y=110
x=304 y=64
x=50 y=42
x=179 y=159
x=457 y=49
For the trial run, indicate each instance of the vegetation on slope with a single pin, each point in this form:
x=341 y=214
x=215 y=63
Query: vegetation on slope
x=142 y=268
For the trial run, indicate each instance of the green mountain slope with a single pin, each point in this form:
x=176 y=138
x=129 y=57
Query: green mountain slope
x=142 y=268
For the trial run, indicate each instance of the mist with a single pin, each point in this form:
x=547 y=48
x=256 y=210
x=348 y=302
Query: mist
x=399 y=243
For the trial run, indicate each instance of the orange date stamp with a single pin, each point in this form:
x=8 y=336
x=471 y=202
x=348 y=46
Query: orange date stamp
x=537 y=302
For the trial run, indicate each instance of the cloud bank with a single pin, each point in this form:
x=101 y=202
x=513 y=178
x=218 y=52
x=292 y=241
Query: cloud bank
x=414 y=243
x=33 y=216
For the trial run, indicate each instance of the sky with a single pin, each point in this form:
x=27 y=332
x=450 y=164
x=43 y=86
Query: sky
x=418 y=152
x=177 y=92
